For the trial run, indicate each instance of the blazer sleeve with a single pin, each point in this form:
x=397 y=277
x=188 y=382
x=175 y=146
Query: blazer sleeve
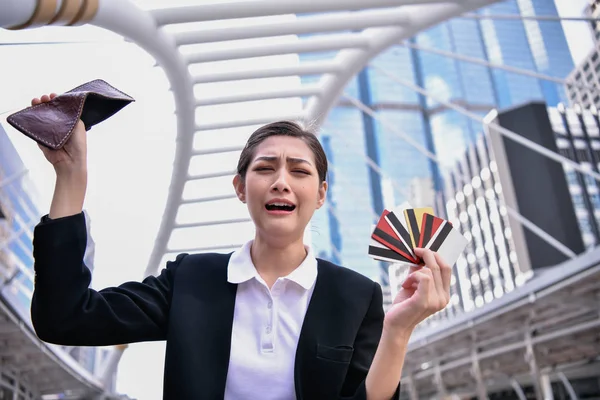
x=365 y=346
x=65 y=311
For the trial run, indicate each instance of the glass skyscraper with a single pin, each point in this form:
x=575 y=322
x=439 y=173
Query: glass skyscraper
x=19 y=214
x=373 y=165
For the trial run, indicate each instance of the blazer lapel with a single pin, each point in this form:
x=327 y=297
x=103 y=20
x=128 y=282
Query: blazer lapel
x=219 y=303
x=315 y=320
x=317 y=323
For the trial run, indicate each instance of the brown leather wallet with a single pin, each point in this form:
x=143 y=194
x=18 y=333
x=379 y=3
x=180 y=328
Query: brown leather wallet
x=52 y=123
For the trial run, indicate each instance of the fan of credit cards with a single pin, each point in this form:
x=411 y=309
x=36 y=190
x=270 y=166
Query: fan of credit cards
x=399 y=231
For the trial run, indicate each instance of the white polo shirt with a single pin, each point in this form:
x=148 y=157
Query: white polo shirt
x=266 y=328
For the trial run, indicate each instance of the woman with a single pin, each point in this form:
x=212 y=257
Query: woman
x=269 y=321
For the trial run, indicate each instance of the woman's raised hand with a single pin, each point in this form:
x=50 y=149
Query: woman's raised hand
x=72 y=157
x=425 y=291
x=70 y=165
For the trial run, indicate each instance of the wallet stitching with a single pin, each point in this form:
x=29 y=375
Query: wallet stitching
x=106 y=83
x=72 y=123
x=87 y=83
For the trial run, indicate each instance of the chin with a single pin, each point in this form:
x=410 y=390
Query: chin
x=280 y=232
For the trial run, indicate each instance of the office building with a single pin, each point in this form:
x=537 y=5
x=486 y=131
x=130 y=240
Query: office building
x=577 y=133
x=488 y=268
x=495 y=176
x=19 y=213
x=526 y=177
x=582 y=87
x=374 y=165
x=592 y=10
x=18 y=217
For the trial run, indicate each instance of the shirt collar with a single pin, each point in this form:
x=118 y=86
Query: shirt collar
x=241 y=268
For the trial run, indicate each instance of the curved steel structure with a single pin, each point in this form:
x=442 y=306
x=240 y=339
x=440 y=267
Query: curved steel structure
x=550 y=328
x=218 y=58
x=365 y=33
x=351 y=31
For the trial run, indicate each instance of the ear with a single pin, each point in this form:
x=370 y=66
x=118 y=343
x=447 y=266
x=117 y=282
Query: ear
x=240 y=188
x=322 y=194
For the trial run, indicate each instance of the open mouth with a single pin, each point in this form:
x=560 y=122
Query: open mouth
x=280 y=207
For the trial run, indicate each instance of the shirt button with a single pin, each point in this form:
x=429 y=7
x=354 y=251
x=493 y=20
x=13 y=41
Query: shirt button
x=269 y=304
x=268 y=329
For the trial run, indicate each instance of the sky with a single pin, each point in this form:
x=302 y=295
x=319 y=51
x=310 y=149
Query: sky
x=130 y=154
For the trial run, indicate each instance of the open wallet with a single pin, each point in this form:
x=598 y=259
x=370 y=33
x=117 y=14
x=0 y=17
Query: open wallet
x=51 y=124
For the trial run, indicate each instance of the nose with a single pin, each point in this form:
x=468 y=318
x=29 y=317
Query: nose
x=281 y=184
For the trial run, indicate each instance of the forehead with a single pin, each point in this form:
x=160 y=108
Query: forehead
x=284 y=146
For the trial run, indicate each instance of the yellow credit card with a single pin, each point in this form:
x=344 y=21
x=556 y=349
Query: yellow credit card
x=414 y=219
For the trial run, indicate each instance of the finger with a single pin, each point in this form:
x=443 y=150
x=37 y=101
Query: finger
x=410 y=282
x=422 y=279
x=45 y=98
x=434 y=301
x=53 y=95
x=425 y=291
x=412 y=268
x=446 y=272
x=431 y=263
x=35 y=101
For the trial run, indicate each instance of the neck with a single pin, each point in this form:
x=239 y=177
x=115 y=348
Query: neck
x=274 y=260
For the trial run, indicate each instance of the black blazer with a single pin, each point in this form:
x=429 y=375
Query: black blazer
x=190 y=305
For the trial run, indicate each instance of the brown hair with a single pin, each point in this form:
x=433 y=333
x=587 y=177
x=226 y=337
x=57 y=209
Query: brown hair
x=283 y=128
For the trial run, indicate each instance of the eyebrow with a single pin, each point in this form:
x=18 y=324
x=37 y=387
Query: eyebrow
x=292 y=160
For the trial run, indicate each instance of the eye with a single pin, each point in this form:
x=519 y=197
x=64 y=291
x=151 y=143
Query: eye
x=301 y=171
x=263 y=169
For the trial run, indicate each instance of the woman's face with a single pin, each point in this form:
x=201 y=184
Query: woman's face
x=282 y=188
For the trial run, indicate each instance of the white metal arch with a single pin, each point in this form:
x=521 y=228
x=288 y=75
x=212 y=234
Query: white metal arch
x=353 y=31
x=350 y=33
x=393 y=20
x=416 y=17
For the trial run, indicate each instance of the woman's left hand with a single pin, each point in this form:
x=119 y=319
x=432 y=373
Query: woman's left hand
x=425 y=291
